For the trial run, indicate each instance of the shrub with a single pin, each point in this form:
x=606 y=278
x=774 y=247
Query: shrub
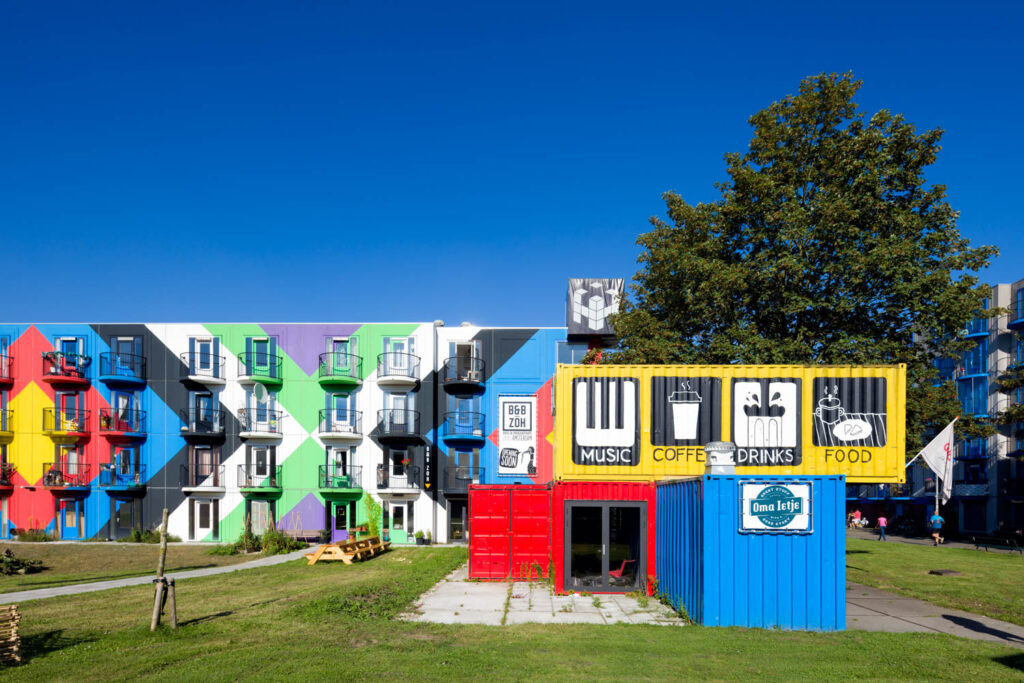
x=33 y=535
x=9 y=564
x=225 y=549
x=147 y=536
x=276 y=542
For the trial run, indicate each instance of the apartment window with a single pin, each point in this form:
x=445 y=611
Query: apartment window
x=260 y=512
x=398 y=459
x=204 y=509
x=570 y=354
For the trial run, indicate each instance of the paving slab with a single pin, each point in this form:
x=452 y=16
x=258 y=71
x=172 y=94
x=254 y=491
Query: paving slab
x=455 y=600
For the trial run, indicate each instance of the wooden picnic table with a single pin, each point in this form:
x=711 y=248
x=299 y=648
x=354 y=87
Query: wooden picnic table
x=347 y=551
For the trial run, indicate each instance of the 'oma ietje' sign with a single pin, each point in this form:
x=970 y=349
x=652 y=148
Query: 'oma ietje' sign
x=775 y=507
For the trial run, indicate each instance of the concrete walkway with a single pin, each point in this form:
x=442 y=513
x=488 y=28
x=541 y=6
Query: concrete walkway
x=40 y=593
x=872 y=535
x=456 y=600
x=871 y=609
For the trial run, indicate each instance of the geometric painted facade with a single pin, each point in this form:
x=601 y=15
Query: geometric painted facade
x=309 y=426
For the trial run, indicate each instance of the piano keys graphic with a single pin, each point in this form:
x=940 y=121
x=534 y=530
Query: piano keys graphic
x=606 y=421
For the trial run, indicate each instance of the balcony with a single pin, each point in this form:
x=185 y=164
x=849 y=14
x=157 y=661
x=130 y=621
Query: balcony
x=398 y=427
x=122 y=368
x=202 y=478
x=464 y=430
x=973 y=490
x=123 y=425
x=340 y=370
x=203 y=425
x=6 y=478
x=401 y=370
x=973 y=449
x=1017 y=313
x=6 y=370
x=66 y=476
x=976 y=328
x=1013 y=487
x=263 y=368
x=463 y=376
x=879 y=491
x=65 y=426
x=260 y=424
x=6 y=426
x=257 y=480
x=114 y=479
x=458 y=479
x=343 y=426
x=202 y=368
x=409 y=480
x=66 y=368
x=340 y=480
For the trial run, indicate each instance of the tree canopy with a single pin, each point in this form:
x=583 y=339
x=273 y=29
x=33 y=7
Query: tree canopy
x=825 y=246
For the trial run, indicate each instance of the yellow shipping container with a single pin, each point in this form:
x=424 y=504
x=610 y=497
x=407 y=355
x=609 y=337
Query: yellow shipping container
x=644 y=422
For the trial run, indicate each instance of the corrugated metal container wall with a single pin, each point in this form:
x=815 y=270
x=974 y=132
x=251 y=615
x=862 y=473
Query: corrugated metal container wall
x=601 y=492
x=765 y=580
x=509 y=532
x=644 y=422
x=681 y=546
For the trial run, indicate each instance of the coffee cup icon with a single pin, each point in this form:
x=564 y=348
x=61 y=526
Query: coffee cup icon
x=685 y=413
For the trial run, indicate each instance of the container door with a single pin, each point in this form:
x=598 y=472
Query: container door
x=457 y=511
x=489 y=512
x=605 y=546
x=71 y=521
x=340 y=528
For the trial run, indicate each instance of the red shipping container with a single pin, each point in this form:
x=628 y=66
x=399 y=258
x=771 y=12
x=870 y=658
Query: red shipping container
x=509 y=532
x=611 y=538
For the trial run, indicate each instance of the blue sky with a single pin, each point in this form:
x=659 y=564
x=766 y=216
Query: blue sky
x=413 y=161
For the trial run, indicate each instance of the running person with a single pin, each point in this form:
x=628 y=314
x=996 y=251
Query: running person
x=936 y=522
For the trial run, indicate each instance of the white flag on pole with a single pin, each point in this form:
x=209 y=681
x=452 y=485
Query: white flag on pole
x=939 y=456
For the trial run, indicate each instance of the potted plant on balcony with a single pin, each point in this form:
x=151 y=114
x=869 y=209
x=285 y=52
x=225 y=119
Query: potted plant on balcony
x=105 y=421
x=406 y=462
x=419 y=538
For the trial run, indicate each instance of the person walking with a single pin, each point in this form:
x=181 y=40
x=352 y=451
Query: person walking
x=856 y=519
x=882 y=523
x=936 y=522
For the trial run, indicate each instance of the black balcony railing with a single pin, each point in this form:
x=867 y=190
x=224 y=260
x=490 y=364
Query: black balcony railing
x=342 y=366
x=260 y=421
x=69 y=366
x=337 y=477
x=259 y=477
x=458 y=479
x=123 y=365
x=394 y=364
x=462 y=369
x=463 y=424
x=392 y=422
x=202 y=475
x=202 y=365
x=113 y=420
x=64 y=420
x=259 y=365
x=62 y=474
x=409 y=477
x=341 y=422
x=7 y=420
x=6 y=368
x=6 y=474
x=203 y=422
x=126 y=476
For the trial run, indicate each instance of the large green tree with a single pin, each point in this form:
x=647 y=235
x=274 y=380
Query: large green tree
x=826 y=246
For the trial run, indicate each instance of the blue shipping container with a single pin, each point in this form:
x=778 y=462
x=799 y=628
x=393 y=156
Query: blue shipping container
x=723 y=574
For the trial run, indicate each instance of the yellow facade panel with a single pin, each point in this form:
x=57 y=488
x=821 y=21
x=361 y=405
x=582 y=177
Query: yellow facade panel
x=644 y=422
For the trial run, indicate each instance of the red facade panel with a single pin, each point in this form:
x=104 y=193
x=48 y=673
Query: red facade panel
x=509 y=531
x=602 y=491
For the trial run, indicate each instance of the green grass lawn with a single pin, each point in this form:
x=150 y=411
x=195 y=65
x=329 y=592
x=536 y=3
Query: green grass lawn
x=332 y=621
x=989 y=583
x=82 y=562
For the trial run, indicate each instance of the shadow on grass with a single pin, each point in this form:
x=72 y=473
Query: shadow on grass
x=1015 y=662
x=44 y=643
x=858 y=552
x=208 y=617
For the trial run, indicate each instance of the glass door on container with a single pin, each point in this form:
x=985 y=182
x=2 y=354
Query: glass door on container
x=605 y=546
x=340 y=531
x=342 y=352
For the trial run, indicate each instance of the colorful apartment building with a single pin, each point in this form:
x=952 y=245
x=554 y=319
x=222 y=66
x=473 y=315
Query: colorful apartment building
x=988 y=485
x=314 y=427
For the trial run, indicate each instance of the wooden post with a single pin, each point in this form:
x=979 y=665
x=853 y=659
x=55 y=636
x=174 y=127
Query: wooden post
x=161 y=582
x=174 y=604
x=163 y=546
